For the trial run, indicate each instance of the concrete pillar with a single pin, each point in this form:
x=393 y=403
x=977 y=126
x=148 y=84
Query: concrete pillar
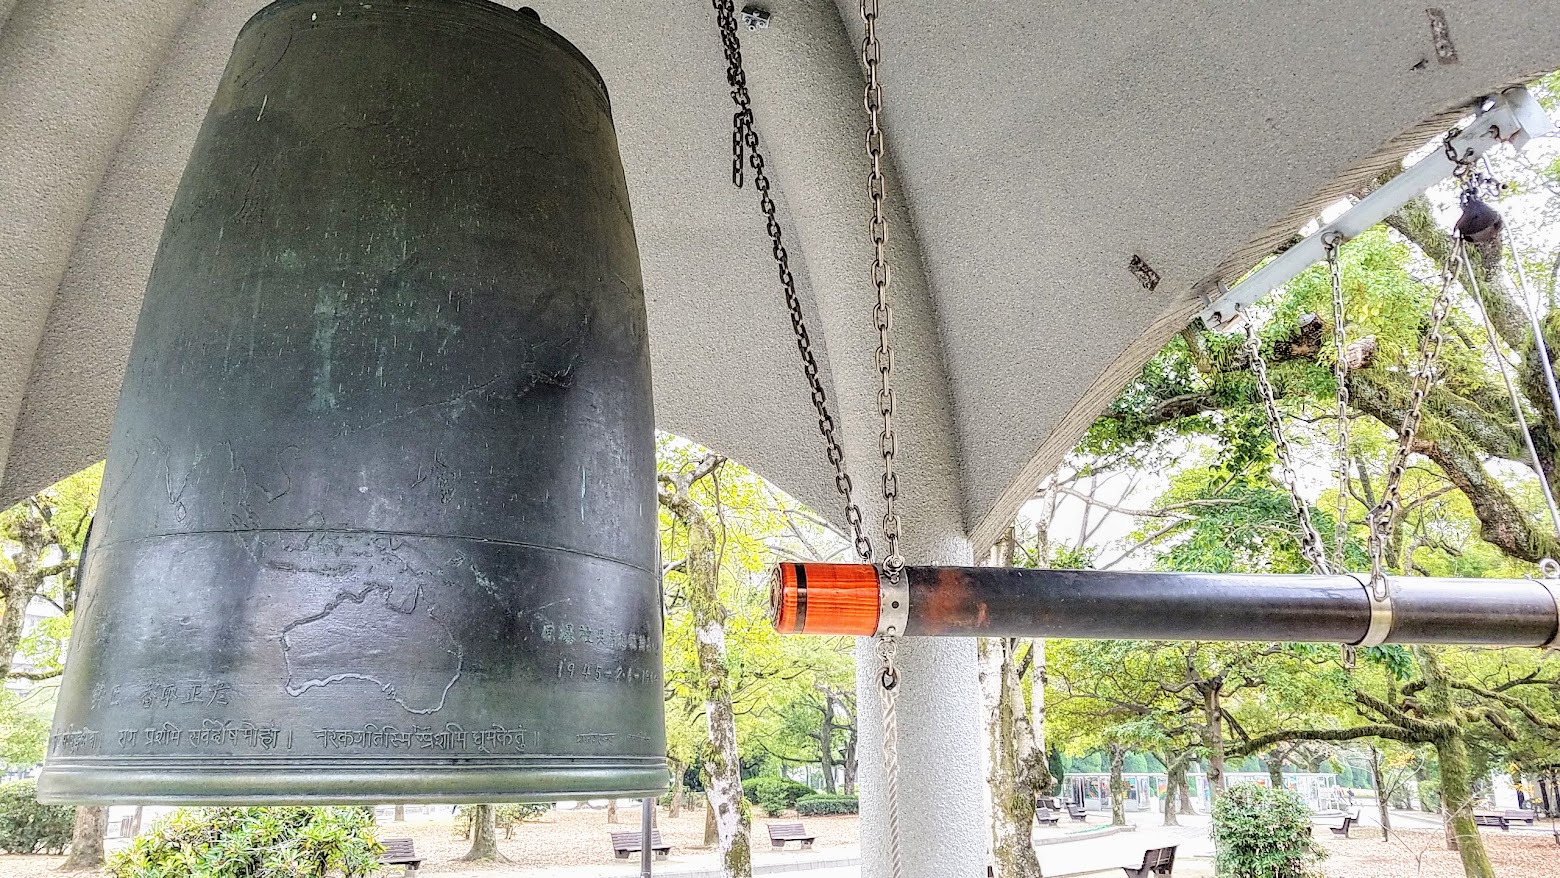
x=806 y=80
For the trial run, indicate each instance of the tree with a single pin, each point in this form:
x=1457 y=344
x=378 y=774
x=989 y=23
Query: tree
x=484 y=835
x=700 y=569
x=41 y=543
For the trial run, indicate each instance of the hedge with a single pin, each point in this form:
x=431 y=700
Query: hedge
x=813 y=806
x=775 y=794
x=27 y=827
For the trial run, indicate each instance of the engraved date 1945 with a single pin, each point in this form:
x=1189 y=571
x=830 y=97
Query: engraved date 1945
x=593 y=671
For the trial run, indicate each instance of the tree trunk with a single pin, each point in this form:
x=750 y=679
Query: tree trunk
x=1185 y=795
x=1037 y=683
x=701 y=566
x=1012 y=800
x=1457 y=804
x=849 y=786
x=1169 y=802
x=1213 y=737
x=826 y=743
x=484 y=835
x=400 y=814
x=1118 y=786
x=1383 y=808
x=1275 y=767
x=612 y=810
x=135 y=822
x=675 y=808
x=711 y=833
x=86 y=840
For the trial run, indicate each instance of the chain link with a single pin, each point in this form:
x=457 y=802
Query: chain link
x=883 y=313
x=1334 y=246
x=1391 y=499
x=744 y=143
x=1310 y=540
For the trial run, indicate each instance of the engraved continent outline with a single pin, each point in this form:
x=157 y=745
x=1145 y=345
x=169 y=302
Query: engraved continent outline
x=388 y=687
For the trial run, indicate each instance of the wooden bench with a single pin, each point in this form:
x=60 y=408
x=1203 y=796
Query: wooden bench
x=1047 y=816
x=1492 y=820
x=1076 y=812
x=400 y=852
x=1156 y=861
x=780 y=833
x=1343 y=827
x=625 y=843
x=1524 y=815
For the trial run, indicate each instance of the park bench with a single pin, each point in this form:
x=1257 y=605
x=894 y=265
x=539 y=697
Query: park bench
x=1156 y=861
x=1076 y=812
x=1525 y=815
x=780 y=833
x=1047 y=816
x=1486 y=819
x=1343 y=826
x=625 y=843
x=400 y=852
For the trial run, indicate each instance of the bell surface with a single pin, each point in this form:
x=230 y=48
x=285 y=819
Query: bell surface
x=378 y=522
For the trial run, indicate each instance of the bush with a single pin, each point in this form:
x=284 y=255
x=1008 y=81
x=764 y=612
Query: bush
x=1263 y=833
x=28 y=827
x=813 y=806
x=775 y=794
x=505 y=816
x=287 y=842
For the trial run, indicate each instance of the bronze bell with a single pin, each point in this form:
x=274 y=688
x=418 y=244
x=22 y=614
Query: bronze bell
x=378 y=522
x=1479 y=223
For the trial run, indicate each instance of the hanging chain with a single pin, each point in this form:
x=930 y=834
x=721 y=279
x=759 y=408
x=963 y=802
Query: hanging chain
x=883 y=313
x=1391 y=499
x=1310 y=540
x=1334 y=246
x=744 y=140
x=745 y=143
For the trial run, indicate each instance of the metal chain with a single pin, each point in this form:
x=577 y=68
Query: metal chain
x=744 y=139
x=883 y=315
x=883 y=312
x=1334 y=247
x=1429 y=350
x=1310 y=540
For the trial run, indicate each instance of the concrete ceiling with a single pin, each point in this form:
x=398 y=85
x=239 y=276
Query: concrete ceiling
x=1038 y=147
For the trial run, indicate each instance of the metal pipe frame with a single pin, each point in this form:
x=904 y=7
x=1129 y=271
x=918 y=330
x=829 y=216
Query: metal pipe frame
x=1110 y=605
x=1513 y=116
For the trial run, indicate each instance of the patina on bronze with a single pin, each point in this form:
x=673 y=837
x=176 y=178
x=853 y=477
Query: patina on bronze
x=378 y=522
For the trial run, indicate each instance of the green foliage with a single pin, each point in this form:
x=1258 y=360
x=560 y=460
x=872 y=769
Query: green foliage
x=507 y=814
x=813 y=806
x=284 y=842
x=24 y=729
x=1263 y=833
x=775 y=794
x=29 y=827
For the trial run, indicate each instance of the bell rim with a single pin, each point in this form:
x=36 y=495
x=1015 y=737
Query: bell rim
x=253 y=782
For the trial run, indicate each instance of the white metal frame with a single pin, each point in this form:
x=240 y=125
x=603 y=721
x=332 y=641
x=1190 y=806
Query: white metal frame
x=1513 y=116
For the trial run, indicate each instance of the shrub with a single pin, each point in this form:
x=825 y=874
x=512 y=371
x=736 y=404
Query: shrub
x=505 y=816
x=28 y=827
x=1263 y=833
x=287 y=842
x=775 y=794
x=813 y=806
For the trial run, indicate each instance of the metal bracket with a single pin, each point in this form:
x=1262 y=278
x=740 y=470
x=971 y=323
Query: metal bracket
x=1552 y=586
x=1380 y=616
x=1513 y=117
x=893 y=603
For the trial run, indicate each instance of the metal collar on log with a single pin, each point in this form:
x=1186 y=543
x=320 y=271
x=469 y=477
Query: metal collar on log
x=1380 y=614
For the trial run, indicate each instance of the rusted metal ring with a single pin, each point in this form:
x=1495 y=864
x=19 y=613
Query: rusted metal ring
x=893 y=602
x=1380 y=615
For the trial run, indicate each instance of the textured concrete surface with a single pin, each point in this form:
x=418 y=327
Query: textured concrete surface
x=1038 y=147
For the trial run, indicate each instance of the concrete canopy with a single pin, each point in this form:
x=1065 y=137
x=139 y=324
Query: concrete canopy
x=1038 y=148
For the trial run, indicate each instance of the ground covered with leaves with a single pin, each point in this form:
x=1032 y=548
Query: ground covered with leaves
x=1424 y=855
